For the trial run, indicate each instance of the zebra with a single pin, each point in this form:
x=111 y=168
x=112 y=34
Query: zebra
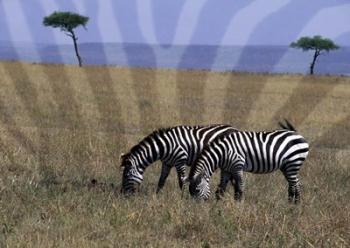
x=175 y=146
x=256 y=152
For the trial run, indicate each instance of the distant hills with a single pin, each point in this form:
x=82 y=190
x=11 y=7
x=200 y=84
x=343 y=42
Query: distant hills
x=272 y=59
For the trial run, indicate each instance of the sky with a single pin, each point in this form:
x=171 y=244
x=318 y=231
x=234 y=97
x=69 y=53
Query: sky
x=169 y=22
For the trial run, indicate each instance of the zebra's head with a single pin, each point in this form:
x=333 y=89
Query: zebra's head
x=132 y=177
x=199 y=186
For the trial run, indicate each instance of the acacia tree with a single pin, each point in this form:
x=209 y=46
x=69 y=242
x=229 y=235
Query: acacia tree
x=316 y=43
x=67 y=22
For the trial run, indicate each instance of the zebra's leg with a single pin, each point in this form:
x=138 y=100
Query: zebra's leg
x=225 y=177
x=163 y=176
x=294 y=191
x=233 y=183
x=291 y=174
x=181 y=174
x=232 y=180
x=238 y=186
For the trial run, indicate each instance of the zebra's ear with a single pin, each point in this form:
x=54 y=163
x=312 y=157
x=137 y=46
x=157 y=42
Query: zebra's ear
x=121 y=159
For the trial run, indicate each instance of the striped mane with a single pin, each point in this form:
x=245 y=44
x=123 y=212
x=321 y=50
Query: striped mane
x=193 y=168
x=205 y=147
x=136 y=147
x=154 y=134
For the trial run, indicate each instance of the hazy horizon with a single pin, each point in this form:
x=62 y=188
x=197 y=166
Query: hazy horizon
x=253 y=58
x=152 y=44
x=168 y=31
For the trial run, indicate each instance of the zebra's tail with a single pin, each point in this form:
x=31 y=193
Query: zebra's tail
x=287 y=125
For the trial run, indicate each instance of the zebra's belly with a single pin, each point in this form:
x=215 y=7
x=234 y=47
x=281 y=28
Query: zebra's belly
x=178 y=157
x=261 y=172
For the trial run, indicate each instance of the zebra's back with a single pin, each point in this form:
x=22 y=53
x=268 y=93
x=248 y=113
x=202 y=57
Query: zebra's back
x=192 y=139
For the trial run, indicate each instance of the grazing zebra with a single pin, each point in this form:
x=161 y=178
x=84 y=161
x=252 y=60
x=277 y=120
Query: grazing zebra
x=256 y=152
x=177 y=146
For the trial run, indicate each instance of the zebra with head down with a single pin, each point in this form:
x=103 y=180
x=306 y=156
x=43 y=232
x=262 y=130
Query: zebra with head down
x=256 y=152
x=175 y=147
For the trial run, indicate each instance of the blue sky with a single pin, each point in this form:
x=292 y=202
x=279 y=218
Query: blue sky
x=214 y=22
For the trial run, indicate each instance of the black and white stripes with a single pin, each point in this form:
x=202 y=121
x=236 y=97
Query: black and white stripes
x=256 y=152
x=177 y=146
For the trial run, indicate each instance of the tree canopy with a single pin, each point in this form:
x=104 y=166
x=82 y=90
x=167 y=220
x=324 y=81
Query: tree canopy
x=66 y=21
x=314 y=43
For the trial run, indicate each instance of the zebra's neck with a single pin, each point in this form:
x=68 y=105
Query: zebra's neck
x=145 y=153
x=220 y=153
x=205 y=166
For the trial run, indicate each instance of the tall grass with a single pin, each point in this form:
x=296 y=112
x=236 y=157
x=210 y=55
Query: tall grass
x=63 y=128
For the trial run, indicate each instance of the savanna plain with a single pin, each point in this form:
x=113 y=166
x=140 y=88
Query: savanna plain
x=63 y=128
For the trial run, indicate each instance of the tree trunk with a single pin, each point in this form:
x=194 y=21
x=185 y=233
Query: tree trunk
x=76 y=48
x=312 y=65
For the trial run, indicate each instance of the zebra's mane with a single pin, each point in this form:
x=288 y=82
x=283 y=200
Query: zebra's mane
x=154 y=134
x=136 y=147
x=207 y=146
x=195 y=162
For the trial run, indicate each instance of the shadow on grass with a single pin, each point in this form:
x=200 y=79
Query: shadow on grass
x=50 y=180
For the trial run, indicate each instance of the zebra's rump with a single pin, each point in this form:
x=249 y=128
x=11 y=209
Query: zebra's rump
x=266 y=152
x=257 y=152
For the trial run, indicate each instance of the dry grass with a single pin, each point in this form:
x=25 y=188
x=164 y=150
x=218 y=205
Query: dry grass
x=62 y=126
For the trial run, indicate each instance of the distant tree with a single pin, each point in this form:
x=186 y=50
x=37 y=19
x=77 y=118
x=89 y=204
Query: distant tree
x=316 y=43
x=67 y=22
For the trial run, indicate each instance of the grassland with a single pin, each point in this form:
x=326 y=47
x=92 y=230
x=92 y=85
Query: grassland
x=63 y=126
